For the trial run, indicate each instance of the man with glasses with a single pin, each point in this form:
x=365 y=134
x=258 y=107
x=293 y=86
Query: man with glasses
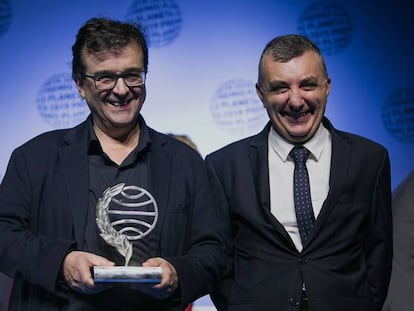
x=56 y=219
x=305 y=207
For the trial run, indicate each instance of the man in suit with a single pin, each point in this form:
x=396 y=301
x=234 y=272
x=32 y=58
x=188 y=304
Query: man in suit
x=54 y=184
x=400 y=293
x=330 y=252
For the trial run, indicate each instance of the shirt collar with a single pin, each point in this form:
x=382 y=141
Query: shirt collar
x=144 y=137
x=144 y=141
x=315 y=145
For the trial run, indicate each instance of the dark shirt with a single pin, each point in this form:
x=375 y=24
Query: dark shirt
x=103 y=174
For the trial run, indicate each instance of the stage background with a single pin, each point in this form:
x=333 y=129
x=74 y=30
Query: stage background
x=203 y=66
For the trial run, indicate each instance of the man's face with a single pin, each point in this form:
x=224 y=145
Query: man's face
x=294 y=94
x=116 y=108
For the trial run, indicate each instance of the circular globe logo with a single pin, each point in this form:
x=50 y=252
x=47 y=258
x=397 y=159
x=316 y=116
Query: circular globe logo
x=327 y=24
x=133 y=212
x=5 y=16
x=398 y=114
x=236 y=109
x=160 y=19
x=59 y=103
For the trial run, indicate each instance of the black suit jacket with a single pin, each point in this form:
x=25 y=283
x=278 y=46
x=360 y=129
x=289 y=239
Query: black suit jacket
x=346 y=262
x=43 y=211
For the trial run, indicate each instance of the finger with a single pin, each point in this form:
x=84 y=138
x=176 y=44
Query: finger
x=169 y=279
x=95 y=260
x=77 y=270
x=154 y=262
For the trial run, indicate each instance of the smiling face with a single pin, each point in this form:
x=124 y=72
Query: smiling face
x=115 y=110
x=294 y=94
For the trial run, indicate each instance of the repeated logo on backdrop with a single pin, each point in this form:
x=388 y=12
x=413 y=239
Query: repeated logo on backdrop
x=58 y=100
x=398 y=114
x=59 y=103
x=236 y=109
x=5 y=16
x=328 y=24
x=160 y=19
x=234 y=106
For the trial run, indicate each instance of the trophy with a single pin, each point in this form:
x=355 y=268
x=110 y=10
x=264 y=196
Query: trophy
x=135 y=221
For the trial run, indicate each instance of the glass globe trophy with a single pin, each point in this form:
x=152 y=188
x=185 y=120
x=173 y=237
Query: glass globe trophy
x=137 y=215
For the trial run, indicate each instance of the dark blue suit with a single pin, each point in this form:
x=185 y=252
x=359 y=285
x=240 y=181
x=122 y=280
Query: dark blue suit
x=346 y=262
x=44 y=204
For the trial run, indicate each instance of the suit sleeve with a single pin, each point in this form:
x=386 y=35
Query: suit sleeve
x=220 y=294
x=24 y=254
x=202 y=266
x=378 y=243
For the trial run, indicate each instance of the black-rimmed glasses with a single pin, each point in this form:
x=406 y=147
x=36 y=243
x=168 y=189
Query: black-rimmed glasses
x=107 y=81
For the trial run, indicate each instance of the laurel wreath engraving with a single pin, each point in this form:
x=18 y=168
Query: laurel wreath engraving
x=108 y=233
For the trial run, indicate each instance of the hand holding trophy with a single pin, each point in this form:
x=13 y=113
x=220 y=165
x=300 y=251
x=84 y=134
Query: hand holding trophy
x=134 y=223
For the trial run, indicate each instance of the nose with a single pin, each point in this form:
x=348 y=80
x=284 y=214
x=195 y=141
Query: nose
x=120 y=87
x=295 y=98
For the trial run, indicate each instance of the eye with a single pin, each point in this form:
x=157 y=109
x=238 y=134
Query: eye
x=105 y=79
x=132 y=77
x=280 y=89
x=308 y=86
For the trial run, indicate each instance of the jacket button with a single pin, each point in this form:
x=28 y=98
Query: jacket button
x=293 y=302
x=303 y=260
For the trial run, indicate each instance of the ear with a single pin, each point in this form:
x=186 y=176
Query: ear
x=260 y=94
x=80 y=85
x=328 y=87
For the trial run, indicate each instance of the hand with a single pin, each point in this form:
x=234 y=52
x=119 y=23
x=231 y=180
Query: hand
x=169 y=279
x=77 y=273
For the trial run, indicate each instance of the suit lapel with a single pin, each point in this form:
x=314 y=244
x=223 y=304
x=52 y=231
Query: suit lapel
x=159 y=164
x=258 y=157
x=259 y=165
x=74 y=160
x=341 y=153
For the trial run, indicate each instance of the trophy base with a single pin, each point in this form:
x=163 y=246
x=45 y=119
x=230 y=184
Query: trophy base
x=129 y=274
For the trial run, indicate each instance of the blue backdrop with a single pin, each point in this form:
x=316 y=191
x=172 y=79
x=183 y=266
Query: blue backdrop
x=203 y=67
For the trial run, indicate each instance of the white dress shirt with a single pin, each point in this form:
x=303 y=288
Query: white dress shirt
x=281 y=168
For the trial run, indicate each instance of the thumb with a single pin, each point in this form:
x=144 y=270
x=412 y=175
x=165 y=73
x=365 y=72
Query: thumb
x=101 y=261
x=153 y=262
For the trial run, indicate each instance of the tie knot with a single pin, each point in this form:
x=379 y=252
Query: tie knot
x=299 y=154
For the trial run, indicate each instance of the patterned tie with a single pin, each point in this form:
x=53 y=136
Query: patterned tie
x=301 y=192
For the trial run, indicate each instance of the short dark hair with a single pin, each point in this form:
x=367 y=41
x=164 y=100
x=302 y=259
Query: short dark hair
x=284 y=48
x=100 y=34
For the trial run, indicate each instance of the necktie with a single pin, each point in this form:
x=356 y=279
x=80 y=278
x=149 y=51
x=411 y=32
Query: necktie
x=301 y=192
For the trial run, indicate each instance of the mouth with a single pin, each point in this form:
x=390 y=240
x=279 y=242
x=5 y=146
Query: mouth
x=294 y=115
x=118 y=103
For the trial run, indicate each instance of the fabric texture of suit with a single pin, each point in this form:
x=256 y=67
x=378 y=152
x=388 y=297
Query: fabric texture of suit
x=43 y=207
x=401 y=290
x=346 y=262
